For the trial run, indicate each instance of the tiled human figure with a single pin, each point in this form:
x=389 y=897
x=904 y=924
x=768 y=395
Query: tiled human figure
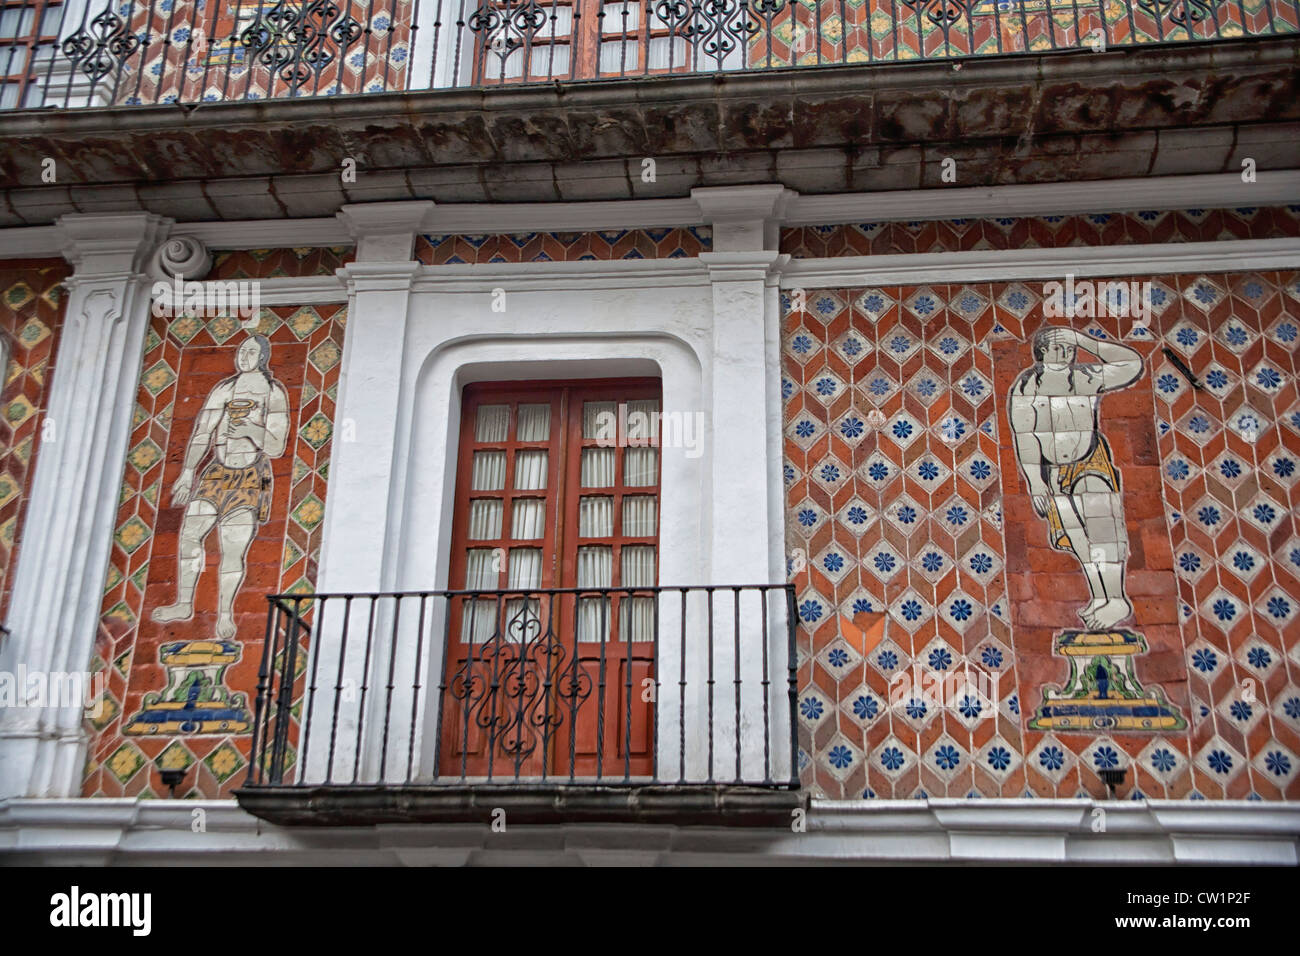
x=244 y=423
x=1067 y=462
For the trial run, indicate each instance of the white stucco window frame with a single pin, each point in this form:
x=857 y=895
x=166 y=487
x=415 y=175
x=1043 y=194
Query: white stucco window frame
x=389 y=529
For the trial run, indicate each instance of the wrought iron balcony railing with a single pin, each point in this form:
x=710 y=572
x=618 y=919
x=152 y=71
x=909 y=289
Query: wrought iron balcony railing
x=79 y=53
x=679 y=687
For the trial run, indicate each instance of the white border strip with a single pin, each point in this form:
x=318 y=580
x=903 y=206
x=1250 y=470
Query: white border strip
x=124 y=830
x=1224 y=190
x=267 y=233
x=1238 y=255
x=590 y=274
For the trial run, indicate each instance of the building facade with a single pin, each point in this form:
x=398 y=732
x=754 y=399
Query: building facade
x=769 y=432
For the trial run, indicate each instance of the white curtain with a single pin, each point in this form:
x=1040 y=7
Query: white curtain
x=640 y=467
x=643 y=420
x=617 y=56
x=639 y=514
x=595 y=570
x=621 y=17
x=534 y=423
x=489 y=471
x=666 y=52
x=600 y=421
x=492 y=424
x=636 y=614
x=598 y=467
x=528 y=518
x=530 y=470
x=550 y=59
x=485 y=519
x=521 y=615
x=478 y=618
x=595 y=516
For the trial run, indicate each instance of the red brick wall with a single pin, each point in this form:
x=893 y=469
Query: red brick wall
x=31 y=317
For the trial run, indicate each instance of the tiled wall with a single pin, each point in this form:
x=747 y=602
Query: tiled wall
x=916 y=548
x=665 y=243
x=202 y=58
x=818 y=32
x=1041 y=232
x=180 y=693
x=277 y=263
x=31 y=316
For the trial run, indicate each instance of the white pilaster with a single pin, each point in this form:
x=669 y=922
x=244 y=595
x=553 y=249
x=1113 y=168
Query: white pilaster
x=746 y=525
x=58 y=583
x=362 y=466
x=364 y=501
x=746 y=546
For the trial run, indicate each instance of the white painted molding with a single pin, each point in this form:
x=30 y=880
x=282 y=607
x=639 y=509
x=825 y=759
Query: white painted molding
x=781 y=205
x=378 y=276
x=985 y=266
x=302 y=290
x=113 y=831
x=267 y=233
x=385 y=231
x=744 y=266
x=541 y=276
x=115 y=245
x=744 y=218
x=30 y=242
x=742 y=203
x=1008 y=264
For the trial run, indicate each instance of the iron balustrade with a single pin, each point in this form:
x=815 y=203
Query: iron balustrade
x=689 y=685
x=89 y=53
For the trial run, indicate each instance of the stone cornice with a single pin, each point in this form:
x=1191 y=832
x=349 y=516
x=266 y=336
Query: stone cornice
x=1020 y=118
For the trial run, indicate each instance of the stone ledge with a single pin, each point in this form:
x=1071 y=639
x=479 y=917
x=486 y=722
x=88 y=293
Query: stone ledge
x=102 y=832
x=524 y=804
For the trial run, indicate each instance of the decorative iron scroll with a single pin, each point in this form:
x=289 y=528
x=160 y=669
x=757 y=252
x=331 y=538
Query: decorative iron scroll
x=944 y=13
x=104 y=49
x=516 y=688
x=509 y=26
x=717 y=27
x=1182 y=12
x=298 y=41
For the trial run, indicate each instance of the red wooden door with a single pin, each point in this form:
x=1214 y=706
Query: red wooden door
x=557 y=488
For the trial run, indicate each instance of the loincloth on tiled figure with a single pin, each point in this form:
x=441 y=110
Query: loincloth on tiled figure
x=1100 y=464
x=229 y=489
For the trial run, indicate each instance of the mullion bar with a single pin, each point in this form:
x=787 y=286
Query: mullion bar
x=365 y=687
x=263 y=685
x=415 y=696
x=310 y=693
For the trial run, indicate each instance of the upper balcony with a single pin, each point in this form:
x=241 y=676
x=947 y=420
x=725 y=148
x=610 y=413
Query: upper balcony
x=100 y=53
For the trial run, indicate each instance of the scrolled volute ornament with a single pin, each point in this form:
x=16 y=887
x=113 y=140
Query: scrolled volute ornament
x=181 y=257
